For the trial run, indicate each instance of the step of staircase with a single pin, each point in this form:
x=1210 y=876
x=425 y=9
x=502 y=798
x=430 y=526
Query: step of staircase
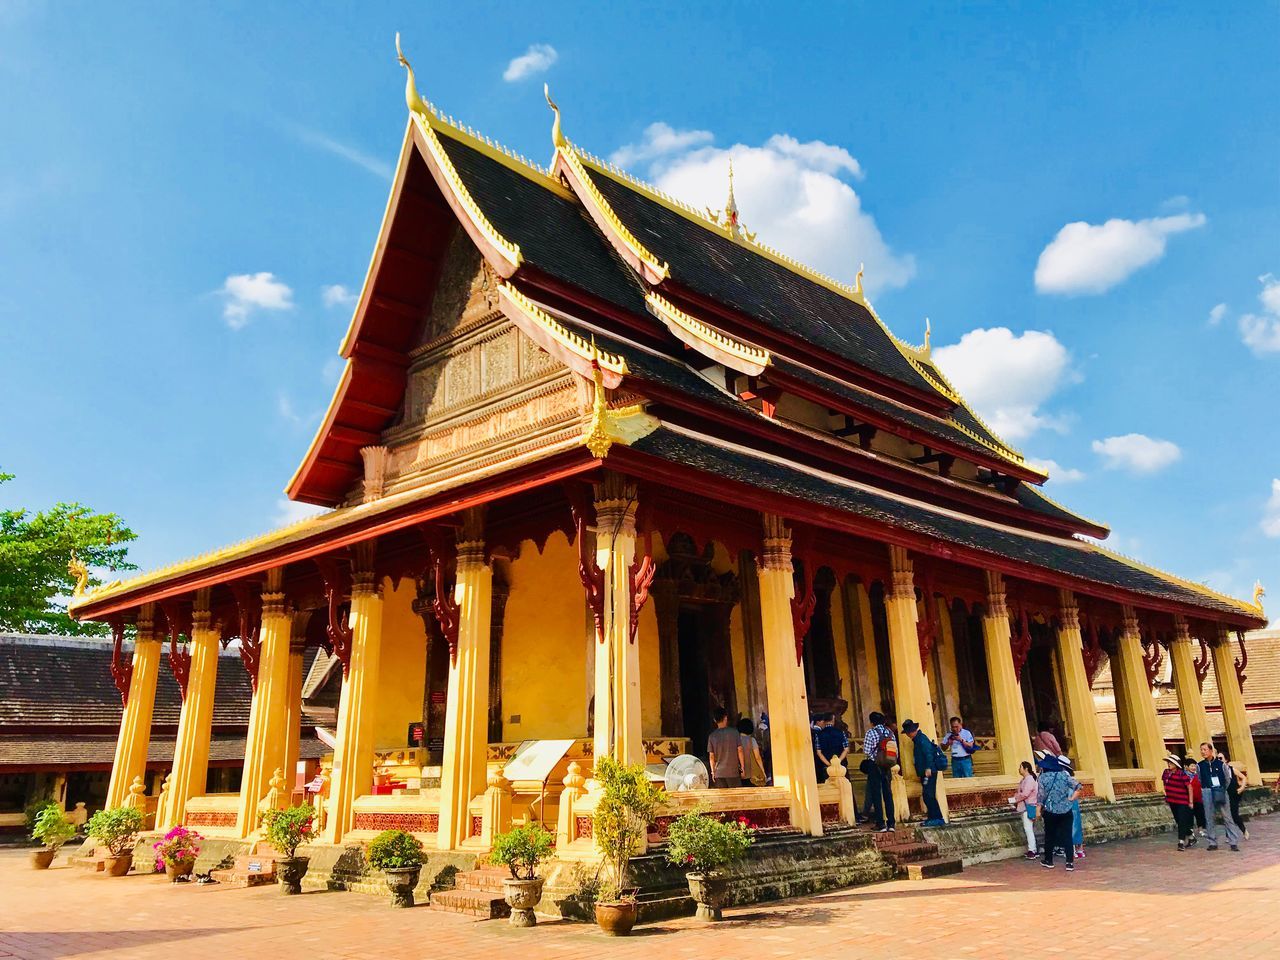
x=937 y=867
x=476 y=893
x=900 y=853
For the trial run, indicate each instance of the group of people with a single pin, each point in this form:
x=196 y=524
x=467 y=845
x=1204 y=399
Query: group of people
x=1050 y=793
x=735 y=755
x=1198 y=791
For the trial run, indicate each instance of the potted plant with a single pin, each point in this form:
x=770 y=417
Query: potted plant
x=520 y=851
x=399 y=856
x=286 y=831
x=117 y=830
x=621 y=822
x=702 y=845
x=53 y=829
x=176 y=853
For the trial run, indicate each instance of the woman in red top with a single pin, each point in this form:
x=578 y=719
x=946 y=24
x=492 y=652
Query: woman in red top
x=1177 y=793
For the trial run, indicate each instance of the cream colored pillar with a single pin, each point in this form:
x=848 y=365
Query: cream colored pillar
x=789 y=730
x=191 y=752
x=466 y=725
x=1141 y=705
x=264 y=744
x=357 y=704
x=1195 y=721
x=1082 y=719
x=135 y=725
x=1240 y=747
x=617 y=666
x=1013 y=741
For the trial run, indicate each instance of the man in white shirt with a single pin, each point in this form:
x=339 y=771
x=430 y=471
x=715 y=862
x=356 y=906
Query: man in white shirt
x=961 y=745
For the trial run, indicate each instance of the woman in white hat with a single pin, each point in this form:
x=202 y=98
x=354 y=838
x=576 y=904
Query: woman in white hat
x=1177 y=794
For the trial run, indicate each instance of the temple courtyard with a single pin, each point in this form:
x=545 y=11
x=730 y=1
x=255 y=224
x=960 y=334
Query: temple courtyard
x=1130 y=899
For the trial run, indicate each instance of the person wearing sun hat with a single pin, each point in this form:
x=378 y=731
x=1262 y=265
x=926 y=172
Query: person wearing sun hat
x=1056 y=791
x=1177 y=794
x=930 y=762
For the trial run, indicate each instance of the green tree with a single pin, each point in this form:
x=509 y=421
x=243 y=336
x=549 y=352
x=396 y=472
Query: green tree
x=35 y=549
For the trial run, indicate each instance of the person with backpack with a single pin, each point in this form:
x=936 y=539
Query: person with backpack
x=1056 y=791
x=881 y=748
x=930 y=762
x=963 y=746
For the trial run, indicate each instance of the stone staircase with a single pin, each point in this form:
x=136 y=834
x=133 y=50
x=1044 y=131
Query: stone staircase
x=912 y=857
x=476 y=893
x=254 y=869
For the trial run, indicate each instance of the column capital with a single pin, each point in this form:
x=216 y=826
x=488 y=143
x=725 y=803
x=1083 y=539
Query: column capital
x=902 y=583
x=274 y=602
x=146 y=625
x=997 y=604
x=615 y=504
x=1130 y=625
x=1068 y=610
x=776 y=554
x=1181 y=629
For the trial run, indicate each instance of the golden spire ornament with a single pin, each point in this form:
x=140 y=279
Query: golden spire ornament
x=557 y=134
x=412 y=99
x=728 y=218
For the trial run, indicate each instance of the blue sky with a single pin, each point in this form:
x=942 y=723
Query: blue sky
x=1076 y=189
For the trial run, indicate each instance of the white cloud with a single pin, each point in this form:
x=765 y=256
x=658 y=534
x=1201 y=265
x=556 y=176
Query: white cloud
x=285 y=408
x=1261 y=331
x=291 y=511
x=793 y=195
x=1008 y=378
x=660 y=139
x=539 y=57
x=1271 y=512
x=247 y=292
x=336 y=295
x=1137 y=453
x=322 y=141
x=1057 y=472
x=1092 y=258
x=1217 y=313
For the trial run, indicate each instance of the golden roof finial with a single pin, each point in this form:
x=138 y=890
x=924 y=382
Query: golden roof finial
x=731 y=204
x=412 y=100
x=1259 y=591
x=857 y=281
x=928 y=332
x=596 y=437
x=557 y=135
x=80 y=572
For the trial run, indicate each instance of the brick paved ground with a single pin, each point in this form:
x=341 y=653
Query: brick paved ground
x=1135 y=899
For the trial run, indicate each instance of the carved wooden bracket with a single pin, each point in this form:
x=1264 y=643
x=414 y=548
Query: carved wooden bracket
x=926 y=631
x=589 y=572
x=1202 y=664
x=639 y=580
x=802 y=607
x=249 y=611
x=1152 y=661
x=1242 y=661
x=443 y=605
x=337 y=598
x=1020 y=641
x=178 y=623
x=121 y=668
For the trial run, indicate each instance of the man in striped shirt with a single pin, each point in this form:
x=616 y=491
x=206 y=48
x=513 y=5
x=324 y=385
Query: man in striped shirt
x=879 y=793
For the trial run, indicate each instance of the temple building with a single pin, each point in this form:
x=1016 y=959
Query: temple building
x=599 y=464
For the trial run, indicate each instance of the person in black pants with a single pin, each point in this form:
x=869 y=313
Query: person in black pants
x=1057 y=790
x=879 y=792
x=1233 y=794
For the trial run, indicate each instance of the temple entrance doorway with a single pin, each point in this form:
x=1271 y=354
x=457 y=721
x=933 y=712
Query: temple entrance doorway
x=695 y=677
x=1040 y=692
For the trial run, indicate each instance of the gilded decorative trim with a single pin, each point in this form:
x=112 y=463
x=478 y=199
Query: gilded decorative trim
x=654 y=270
x=1242 y=605
x=615 y=367
x=729 y=351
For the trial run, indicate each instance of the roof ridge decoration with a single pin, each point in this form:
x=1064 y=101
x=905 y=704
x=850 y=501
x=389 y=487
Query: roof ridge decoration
x=726 y=350
x=1203 y=589
x=549 y=333
x=604 y=427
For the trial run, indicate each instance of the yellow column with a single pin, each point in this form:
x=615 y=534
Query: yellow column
x=1082 y=719
x=617 y=666
x=135 y=724
x=1195 y=722
x=466 y=725
x=1140 y=705
x=293 y=714
x=1240 y=747
x=354 y=748
x=911 y=695
x=264 y=745
x=191 y=752
x=1013 y=742
x=790 y=735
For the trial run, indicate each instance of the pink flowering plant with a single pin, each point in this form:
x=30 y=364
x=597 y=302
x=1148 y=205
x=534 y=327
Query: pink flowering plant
x=289 y=829
x=179 y=845
x=699 y=843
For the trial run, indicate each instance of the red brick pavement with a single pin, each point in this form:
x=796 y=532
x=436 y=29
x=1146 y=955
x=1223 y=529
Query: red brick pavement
x=1137 y=899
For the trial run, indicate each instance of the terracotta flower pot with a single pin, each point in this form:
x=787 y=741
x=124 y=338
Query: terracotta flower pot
x=290 y=871
x=182 y=868
x=522 y=897
x=118 y=866
x=710 y=891
x=42 y=859
x=401 y=881
x=617 y=917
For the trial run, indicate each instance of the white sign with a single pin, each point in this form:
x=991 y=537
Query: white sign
x=535 y=759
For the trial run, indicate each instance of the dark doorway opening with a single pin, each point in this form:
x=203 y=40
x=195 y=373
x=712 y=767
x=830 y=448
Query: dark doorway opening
x=695 y=680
